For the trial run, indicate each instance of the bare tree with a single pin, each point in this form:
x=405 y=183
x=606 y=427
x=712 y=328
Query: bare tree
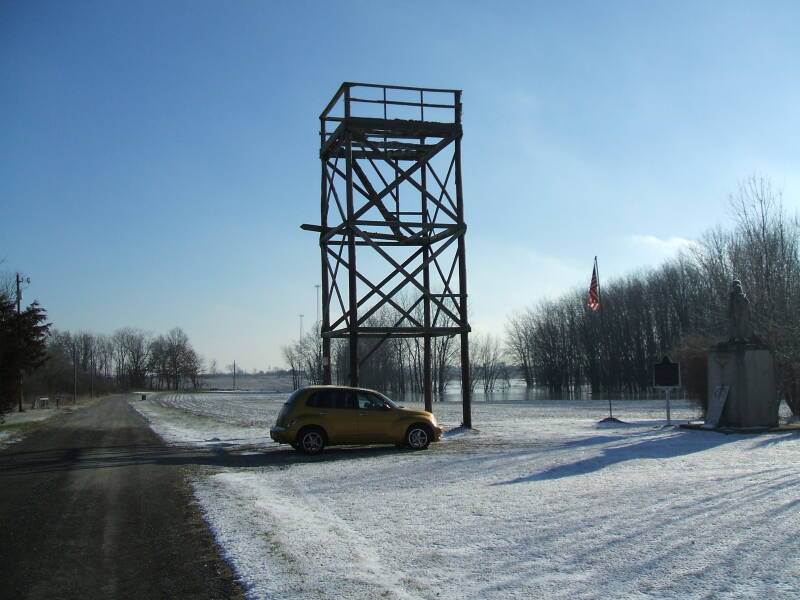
x=133 y=346
x=443 y=351
x=309 y=355
x=191 y=367
x=487 y=358
x=294 y=360
x=176 y=347
x=519 y=344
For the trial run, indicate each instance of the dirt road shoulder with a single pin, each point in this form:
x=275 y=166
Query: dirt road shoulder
x=94 y=505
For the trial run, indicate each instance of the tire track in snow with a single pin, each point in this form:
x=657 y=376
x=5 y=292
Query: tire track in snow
x=311 y=549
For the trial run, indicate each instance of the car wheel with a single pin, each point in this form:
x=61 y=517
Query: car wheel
x=311 y=440
x=418 y=437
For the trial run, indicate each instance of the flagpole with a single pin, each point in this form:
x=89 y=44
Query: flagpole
x=603 y=333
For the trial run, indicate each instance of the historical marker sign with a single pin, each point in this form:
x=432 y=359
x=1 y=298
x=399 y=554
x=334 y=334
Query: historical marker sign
x=666 y=374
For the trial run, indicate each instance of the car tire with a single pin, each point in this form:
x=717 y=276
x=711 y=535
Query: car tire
x=418 y=437
x=310 y=441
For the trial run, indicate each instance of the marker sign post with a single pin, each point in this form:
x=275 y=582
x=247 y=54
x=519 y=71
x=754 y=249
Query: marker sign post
x=667 y=376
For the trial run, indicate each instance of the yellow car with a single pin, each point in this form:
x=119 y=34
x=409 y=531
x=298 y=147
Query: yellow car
x=326 y=415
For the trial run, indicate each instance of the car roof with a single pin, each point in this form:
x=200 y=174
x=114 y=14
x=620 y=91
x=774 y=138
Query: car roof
x=339 y=387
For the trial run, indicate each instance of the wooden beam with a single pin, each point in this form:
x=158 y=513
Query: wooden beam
x=400 y=332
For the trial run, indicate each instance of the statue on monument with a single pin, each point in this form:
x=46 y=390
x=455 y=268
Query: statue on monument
x=742 y=383
x=740 y=328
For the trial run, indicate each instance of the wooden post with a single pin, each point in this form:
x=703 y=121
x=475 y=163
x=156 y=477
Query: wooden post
x=466 y=392
x=352 y=281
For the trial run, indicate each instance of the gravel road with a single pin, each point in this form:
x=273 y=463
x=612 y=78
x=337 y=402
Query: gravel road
x=94 y=505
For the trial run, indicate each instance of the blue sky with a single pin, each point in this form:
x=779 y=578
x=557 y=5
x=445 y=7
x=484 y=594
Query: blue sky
x=157 y=158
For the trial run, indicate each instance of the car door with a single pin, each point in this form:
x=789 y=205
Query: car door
x=374 y=419
x=335 y=411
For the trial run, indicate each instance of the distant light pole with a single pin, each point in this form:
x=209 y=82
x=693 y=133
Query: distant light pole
x=317 y=286
x=301 y=327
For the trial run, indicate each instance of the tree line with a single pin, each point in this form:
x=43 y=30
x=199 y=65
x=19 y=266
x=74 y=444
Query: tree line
x=37 y=360
x=127 y=359
x=678 y=309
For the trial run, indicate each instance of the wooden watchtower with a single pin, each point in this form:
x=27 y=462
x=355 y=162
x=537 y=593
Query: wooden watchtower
x=392 y=228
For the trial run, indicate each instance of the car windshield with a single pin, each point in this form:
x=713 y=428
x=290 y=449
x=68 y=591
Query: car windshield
x=389 y=401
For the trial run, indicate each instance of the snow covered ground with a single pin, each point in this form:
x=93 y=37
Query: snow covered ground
x=17 y=424
x=541 y=502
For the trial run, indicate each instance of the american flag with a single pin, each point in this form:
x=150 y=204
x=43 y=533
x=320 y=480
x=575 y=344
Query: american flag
x=594 y=290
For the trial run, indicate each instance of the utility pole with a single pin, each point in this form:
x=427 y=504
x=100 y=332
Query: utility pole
x=20 y=280
x=19 y=292
x=234 y=375
x=301 y=327
x=75 y=375
x=92 y=361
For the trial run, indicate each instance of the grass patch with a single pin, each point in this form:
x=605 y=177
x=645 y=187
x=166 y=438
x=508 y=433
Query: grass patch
x=16 y=425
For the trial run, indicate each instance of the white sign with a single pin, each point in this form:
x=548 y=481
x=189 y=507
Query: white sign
x=716 y=406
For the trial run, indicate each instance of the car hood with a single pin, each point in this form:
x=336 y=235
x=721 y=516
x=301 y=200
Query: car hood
x=416 y=411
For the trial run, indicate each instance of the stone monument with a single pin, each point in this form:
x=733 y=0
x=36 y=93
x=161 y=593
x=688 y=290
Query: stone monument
x=742 y=391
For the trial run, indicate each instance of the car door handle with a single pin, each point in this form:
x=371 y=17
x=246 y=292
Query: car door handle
x=323 y=414
x=362 y=414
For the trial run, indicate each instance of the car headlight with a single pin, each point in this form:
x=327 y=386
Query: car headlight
x=291 y=423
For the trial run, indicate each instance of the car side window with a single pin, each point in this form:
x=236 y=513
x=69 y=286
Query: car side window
x=320 y=399
x=369 y=402
x=344 y=399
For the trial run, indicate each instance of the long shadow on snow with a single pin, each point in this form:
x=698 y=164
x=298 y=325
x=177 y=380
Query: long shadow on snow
x=115 y=456
x=680 y=443
x=504 y=450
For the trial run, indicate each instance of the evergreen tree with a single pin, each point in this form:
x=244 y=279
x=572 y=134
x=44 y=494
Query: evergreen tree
x=23 y=347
